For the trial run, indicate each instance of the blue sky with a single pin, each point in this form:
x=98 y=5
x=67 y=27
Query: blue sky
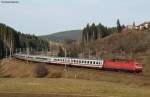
x=42 y=17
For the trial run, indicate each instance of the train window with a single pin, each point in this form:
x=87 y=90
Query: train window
x=90 y=62
x=76 y=61
x=97 y=63
x=93 y=62
x=79 y=61
x=82 y=62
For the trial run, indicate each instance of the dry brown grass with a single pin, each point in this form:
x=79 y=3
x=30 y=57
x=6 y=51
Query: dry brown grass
x=13 y=68
x=69 y=87
x=128 y=41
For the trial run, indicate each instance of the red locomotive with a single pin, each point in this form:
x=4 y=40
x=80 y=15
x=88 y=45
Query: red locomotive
x=122 y=64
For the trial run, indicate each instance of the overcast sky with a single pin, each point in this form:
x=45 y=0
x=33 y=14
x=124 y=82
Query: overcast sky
x=42 y=17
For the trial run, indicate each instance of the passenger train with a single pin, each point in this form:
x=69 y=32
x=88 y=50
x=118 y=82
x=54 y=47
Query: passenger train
x=100 y=64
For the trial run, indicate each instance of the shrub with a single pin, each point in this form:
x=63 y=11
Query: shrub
x=40 y=71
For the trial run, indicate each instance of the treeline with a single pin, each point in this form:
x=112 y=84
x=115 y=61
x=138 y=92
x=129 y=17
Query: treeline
x=10 y=38
x=93 y=32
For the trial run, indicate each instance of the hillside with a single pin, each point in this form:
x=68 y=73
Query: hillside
x=128 y=41
x=65 y=35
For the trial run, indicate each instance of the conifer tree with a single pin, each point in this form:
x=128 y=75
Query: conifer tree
x=119 y=27
x=133 y=24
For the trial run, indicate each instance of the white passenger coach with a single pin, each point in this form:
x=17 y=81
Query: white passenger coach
x=62 y=60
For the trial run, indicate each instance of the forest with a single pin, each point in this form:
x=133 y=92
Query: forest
x=93 y=32
x=10 y=39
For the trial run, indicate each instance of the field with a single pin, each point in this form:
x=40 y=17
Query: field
x=68 y=87
x=19 y=81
